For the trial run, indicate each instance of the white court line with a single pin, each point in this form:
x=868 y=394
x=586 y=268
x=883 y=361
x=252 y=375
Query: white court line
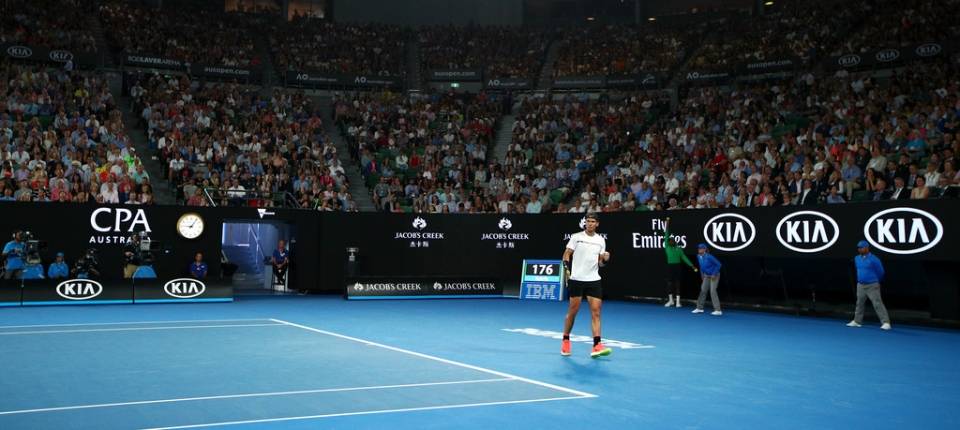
x=237 y=396
x=442 y=360
x=10 y=333
x=381 y=411
x=131 y=322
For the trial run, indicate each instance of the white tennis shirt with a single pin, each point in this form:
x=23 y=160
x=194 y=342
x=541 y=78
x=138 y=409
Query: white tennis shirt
x=586 y=254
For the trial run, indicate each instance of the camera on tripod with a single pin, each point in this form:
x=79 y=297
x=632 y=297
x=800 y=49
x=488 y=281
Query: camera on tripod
x=146 y=248
x=32 y=247
x=88 y=265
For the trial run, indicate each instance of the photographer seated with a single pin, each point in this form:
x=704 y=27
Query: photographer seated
x=87 y=266
x=58 y=269
x=13 y=252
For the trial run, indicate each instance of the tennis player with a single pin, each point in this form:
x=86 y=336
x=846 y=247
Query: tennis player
x=585 y=253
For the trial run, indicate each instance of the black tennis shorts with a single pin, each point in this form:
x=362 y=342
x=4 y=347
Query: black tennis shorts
x=585 y=288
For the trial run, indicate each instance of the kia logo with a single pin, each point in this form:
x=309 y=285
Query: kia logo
x=849 y=60
x=903 y=230
x=79 y=289
x=928 y=49
x=729 y=232
x=807 y=231
x=61 y=56
x=888 y=55
x=19 y=52
x=184 y=288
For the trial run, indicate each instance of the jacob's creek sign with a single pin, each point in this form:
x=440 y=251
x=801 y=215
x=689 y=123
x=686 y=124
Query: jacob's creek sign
x=426 y=287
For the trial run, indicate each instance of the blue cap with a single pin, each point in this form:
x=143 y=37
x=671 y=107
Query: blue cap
x=59 y=254
x=702 y=246
x=863 y=244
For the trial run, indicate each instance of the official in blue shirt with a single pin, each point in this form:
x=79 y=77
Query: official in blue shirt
x=13 y=252
x=198 y=269
x=869 y=274
x=710 y=273
x=58 y=269
x=280 y=261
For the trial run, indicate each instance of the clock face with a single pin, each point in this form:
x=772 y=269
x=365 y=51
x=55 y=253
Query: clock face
x=190 y=226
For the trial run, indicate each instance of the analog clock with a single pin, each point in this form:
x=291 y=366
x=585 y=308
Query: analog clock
x=190 y=226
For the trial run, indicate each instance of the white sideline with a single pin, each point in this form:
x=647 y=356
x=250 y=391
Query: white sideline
x=381 y=411
x=131 y=323
x=442 y=360
x=236 y=396
x=11 y=333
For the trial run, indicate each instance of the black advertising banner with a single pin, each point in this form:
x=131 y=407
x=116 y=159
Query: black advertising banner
x=644 y=80
x=575 y=82
x=769 y=66
x=45 y=55
x=9 y=292
x=704 y=77
x=181 y=290
x=508 y=84
x=887 y=56
x=153 y=61
x=76 y=292
x=422 y=287
x=455 y=75
x=225 y=72
x=327 y=80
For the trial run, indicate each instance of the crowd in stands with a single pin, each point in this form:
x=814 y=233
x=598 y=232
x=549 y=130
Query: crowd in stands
x=314 y=45
x=225 y=144
x=424 y=152
x=618 y=49
x=500 y=51
x=54 y=24
x=193 y=34
x=62 y=140
x=795 y=142
x=899 y=23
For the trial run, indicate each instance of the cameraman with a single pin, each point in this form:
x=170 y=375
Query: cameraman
x=131 y=255
x=58 y=269
x=13 y=252
x=87 y=266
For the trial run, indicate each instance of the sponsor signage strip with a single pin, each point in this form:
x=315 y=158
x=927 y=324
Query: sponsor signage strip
x=455 y=75
x=886 y=56
x=202 y=70
x=422 y=287
x=46 y=55
x=323 y=80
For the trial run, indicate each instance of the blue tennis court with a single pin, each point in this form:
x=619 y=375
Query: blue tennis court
x=319 y=362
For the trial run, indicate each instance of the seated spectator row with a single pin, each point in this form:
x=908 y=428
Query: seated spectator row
x=794 y=142
x=227 y=144
x=618 y=49
x=62 y=140
x=502 y=52
x=313 y=45
x=54 y=24
x=414 y=148
x=190 y=33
